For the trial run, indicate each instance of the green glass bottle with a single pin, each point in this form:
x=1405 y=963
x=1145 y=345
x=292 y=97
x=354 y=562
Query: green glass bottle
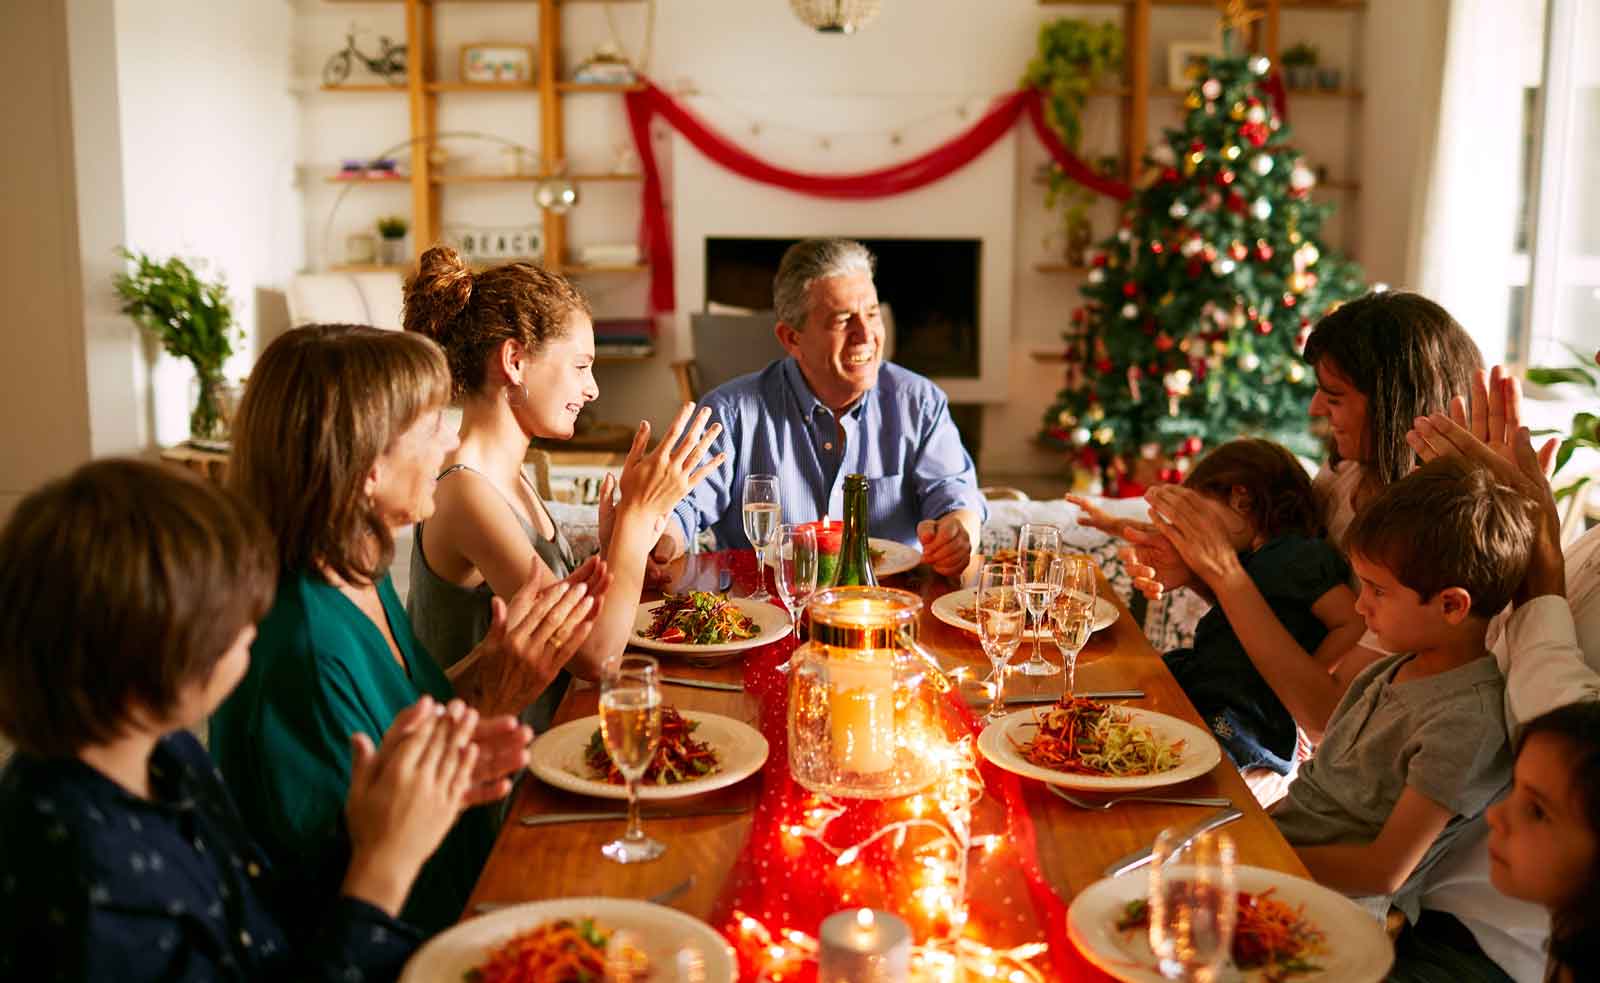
x=855 y=559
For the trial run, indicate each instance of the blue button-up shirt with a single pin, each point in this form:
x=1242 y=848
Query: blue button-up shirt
x=899 y=434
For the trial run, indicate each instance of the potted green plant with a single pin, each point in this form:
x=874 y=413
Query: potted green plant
x=1300 y=64
x=193 y=319
x=1585 y=429
x=1073 y=56
x=392 y=229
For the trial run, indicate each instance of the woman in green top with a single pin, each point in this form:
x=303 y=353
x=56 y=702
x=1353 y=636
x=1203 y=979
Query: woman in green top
x=337 y=441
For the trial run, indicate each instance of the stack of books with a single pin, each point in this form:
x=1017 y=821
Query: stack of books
x=613 y=254
x=627 y=337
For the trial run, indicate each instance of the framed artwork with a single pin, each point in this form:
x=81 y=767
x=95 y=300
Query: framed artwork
x=493 y=61
x=1186 y=61
x=478 y=244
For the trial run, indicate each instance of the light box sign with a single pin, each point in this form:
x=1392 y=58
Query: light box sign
x=477 y=243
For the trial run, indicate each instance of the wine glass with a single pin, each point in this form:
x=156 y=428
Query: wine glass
x=1037 y=545
x=1000 y=616
x=630 y=726
x=762 y=514
x=794 y=569
x=1072 y=614
x=1193 y=904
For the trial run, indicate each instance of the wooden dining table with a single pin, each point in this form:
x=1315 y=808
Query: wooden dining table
x=1074 y=845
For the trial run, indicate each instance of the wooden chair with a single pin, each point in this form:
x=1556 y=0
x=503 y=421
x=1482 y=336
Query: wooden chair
x=1003 y=493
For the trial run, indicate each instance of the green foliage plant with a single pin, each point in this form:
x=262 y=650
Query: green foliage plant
x=1585 y=429
x=1299 y=55
x=191 y=317
x=1073 y=54
x=393 y=227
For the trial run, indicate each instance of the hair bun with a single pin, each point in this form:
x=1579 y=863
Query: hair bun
x=436 y=296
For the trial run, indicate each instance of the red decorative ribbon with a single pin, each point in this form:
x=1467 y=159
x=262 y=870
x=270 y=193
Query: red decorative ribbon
x=655 y=232
x=781 y=882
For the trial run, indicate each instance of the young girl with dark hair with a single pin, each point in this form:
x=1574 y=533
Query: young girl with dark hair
x=1259 y=496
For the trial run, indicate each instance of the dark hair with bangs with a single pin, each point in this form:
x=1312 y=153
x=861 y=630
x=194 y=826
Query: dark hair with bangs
x=119 y=585
x=323 y=402
x=1575 y=931
x=1407 y=356
x=1281 y=500
x=1449 y=524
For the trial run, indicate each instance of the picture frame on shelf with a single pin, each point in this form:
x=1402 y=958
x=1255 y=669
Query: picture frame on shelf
x=1186 y=61
x=496 y=62
x=480 y=244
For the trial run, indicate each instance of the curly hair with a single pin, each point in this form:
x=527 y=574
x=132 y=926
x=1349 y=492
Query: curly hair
x=1575 y=931
x=470 y=315
x=1281 y=499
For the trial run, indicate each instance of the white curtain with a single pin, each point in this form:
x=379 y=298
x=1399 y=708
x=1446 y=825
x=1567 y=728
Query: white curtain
x=1464 y=251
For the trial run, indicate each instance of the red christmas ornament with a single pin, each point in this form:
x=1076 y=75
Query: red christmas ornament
x=1157 y=248
x=1195 y=267
x=1130 y=289
x=1263 y=328
x=1196 y=146
x=1225 y=178
x=1191 y=446
x=1103 y=365
x=1126 y=487
x=1237 y=251
x=1163 y=342
x=1236 y=203
x=1099 y=259
x=1171 y=476
x=1256 y=133
x=1305 y=323
x=1079 y=316
x=1251 y=313
x=1263 y=250
x=1170 y=174
x=1289 y=299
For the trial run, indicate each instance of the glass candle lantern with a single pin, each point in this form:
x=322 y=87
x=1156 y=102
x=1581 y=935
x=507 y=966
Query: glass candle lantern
x=863 y=713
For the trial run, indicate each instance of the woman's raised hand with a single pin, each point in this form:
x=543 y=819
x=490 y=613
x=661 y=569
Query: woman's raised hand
x=654 y=481
x=405 y=795
x=1191 y=524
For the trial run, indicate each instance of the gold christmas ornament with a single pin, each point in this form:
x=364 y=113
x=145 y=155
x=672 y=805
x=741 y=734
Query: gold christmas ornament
x=1297 y=371
x=1192 y=100
x=1298 y=282
x=1095 y=414
x=1231 y=151
x=1237 y=111
x=1103 y=435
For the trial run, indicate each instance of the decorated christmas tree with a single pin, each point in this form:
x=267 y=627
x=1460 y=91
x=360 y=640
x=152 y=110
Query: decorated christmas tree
x=1196 y=310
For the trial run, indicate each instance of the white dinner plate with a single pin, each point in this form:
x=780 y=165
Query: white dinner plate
x=1358 y=949
x=772 y=623
x=895 y=557
x=556 y=757
x=1198 y=756
x=661 y=933
x=948 y=609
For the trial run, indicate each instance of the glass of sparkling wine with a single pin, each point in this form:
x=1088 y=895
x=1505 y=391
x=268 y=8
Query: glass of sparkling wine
x=630 y=726
x=794 y=569
x=1037 y=546
x=1000 y=617
x=1072 y=614
x=1193 y=905
x=762 y=515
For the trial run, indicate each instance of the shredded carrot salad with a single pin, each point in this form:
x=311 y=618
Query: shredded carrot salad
x=678 y=758
x=560 y=951
x=699 y=618
x=1270 y=935
x=1086 y=737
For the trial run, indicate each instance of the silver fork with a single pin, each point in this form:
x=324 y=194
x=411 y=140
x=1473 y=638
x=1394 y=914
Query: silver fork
x=1199 y=800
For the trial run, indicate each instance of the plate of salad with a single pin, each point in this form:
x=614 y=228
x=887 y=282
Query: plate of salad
x=698 y=752
x=701 y=623
x=1099 y=747
x=1288 y=930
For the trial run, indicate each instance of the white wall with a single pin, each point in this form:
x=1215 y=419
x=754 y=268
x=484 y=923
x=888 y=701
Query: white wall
x=761 y=78
x=209 y=144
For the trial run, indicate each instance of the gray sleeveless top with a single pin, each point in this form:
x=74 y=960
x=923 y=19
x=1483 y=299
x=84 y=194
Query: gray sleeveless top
x=449 y=620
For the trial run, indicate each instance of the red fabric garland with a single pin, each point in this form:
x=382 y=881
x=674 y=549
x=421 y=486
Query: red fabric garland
x=655 y=230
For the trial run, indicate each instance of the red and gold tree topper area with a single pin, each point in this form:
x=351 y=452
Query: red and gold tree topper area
x=1195 y=311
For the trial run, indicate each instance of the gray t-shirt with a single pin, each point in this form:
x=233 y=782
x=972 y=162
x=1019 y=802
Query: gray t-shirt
x=1443 y=735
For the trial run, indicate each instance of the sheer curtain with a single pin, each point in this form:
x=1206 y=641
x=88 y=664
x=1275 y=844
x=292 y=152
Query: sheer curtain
x=1467 y=252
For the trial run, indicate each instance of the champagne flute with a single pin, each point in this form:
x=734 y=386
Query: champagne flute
x=1193 y=904
x=1037 y=545
x=1000 y=616
x=762 y=514
x=795 y=569
x=630 y=726
x=1072 y=615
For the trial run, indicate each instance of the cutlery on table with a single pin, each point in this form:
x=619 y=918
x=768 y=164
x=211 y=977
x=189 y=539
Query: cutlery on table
x=702 y=684
x=1139 y=858
x=660 y=898
x=552 y=818
x=1103 y=804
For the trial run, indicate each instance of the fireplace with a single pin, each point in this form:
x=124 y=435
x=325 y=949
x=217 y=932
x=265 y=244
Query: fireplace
x=932 y=288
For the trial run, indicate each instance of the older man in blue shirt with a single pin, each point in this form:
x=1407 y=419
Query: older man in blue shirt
x=834 y=408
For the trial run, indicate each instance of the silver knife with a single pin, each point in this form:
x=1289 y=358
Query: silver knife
x=1109 y=694
x=1139 y=858
x=552 y=818
x=702 y=684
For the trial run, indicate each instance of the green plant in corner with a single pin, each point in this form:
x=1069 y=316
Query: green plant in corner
x=393 y=227
x=1298 y=55
x=1073 y=55
x=192 y=318
x=1585 y=429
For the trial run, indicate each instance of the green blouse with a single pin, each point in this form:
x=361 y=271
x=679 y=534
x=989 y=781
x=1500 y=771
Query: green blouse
x=319 y=672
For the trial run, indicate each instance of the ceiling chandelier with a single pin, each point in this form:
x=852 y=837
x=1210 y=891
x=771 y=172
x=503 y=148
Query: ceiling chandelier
x=836 y=16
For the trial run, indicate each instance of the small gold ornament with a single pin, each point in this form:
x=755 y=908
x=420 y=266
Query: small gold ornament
x=1167 y=298
x=1103 y=435
x=1095 y=414
x=1236 y=112
x=1192 y=100
x=1298 y=282
x=1231 y=151
x=1294 y=238
x=1066 y=419
x=1297 y=371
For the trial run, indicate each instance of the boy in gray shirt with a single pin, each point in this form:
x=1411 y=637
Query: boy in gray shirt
x=1416 y=746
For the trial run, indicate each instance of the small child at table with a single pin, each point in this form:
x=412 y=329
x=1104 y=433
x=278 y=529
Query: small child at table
x=1416 y=745
x=129 y=594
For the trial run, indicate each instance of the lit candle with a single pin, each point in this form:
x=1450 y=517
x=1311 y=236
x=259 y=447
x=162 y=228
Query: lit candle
x=861 y=712
x=863 y=946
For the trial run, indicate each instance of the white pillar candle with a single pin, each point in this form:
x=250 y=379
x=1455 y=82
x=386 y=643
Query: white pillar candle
x=861 y=712
x=861 y=945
